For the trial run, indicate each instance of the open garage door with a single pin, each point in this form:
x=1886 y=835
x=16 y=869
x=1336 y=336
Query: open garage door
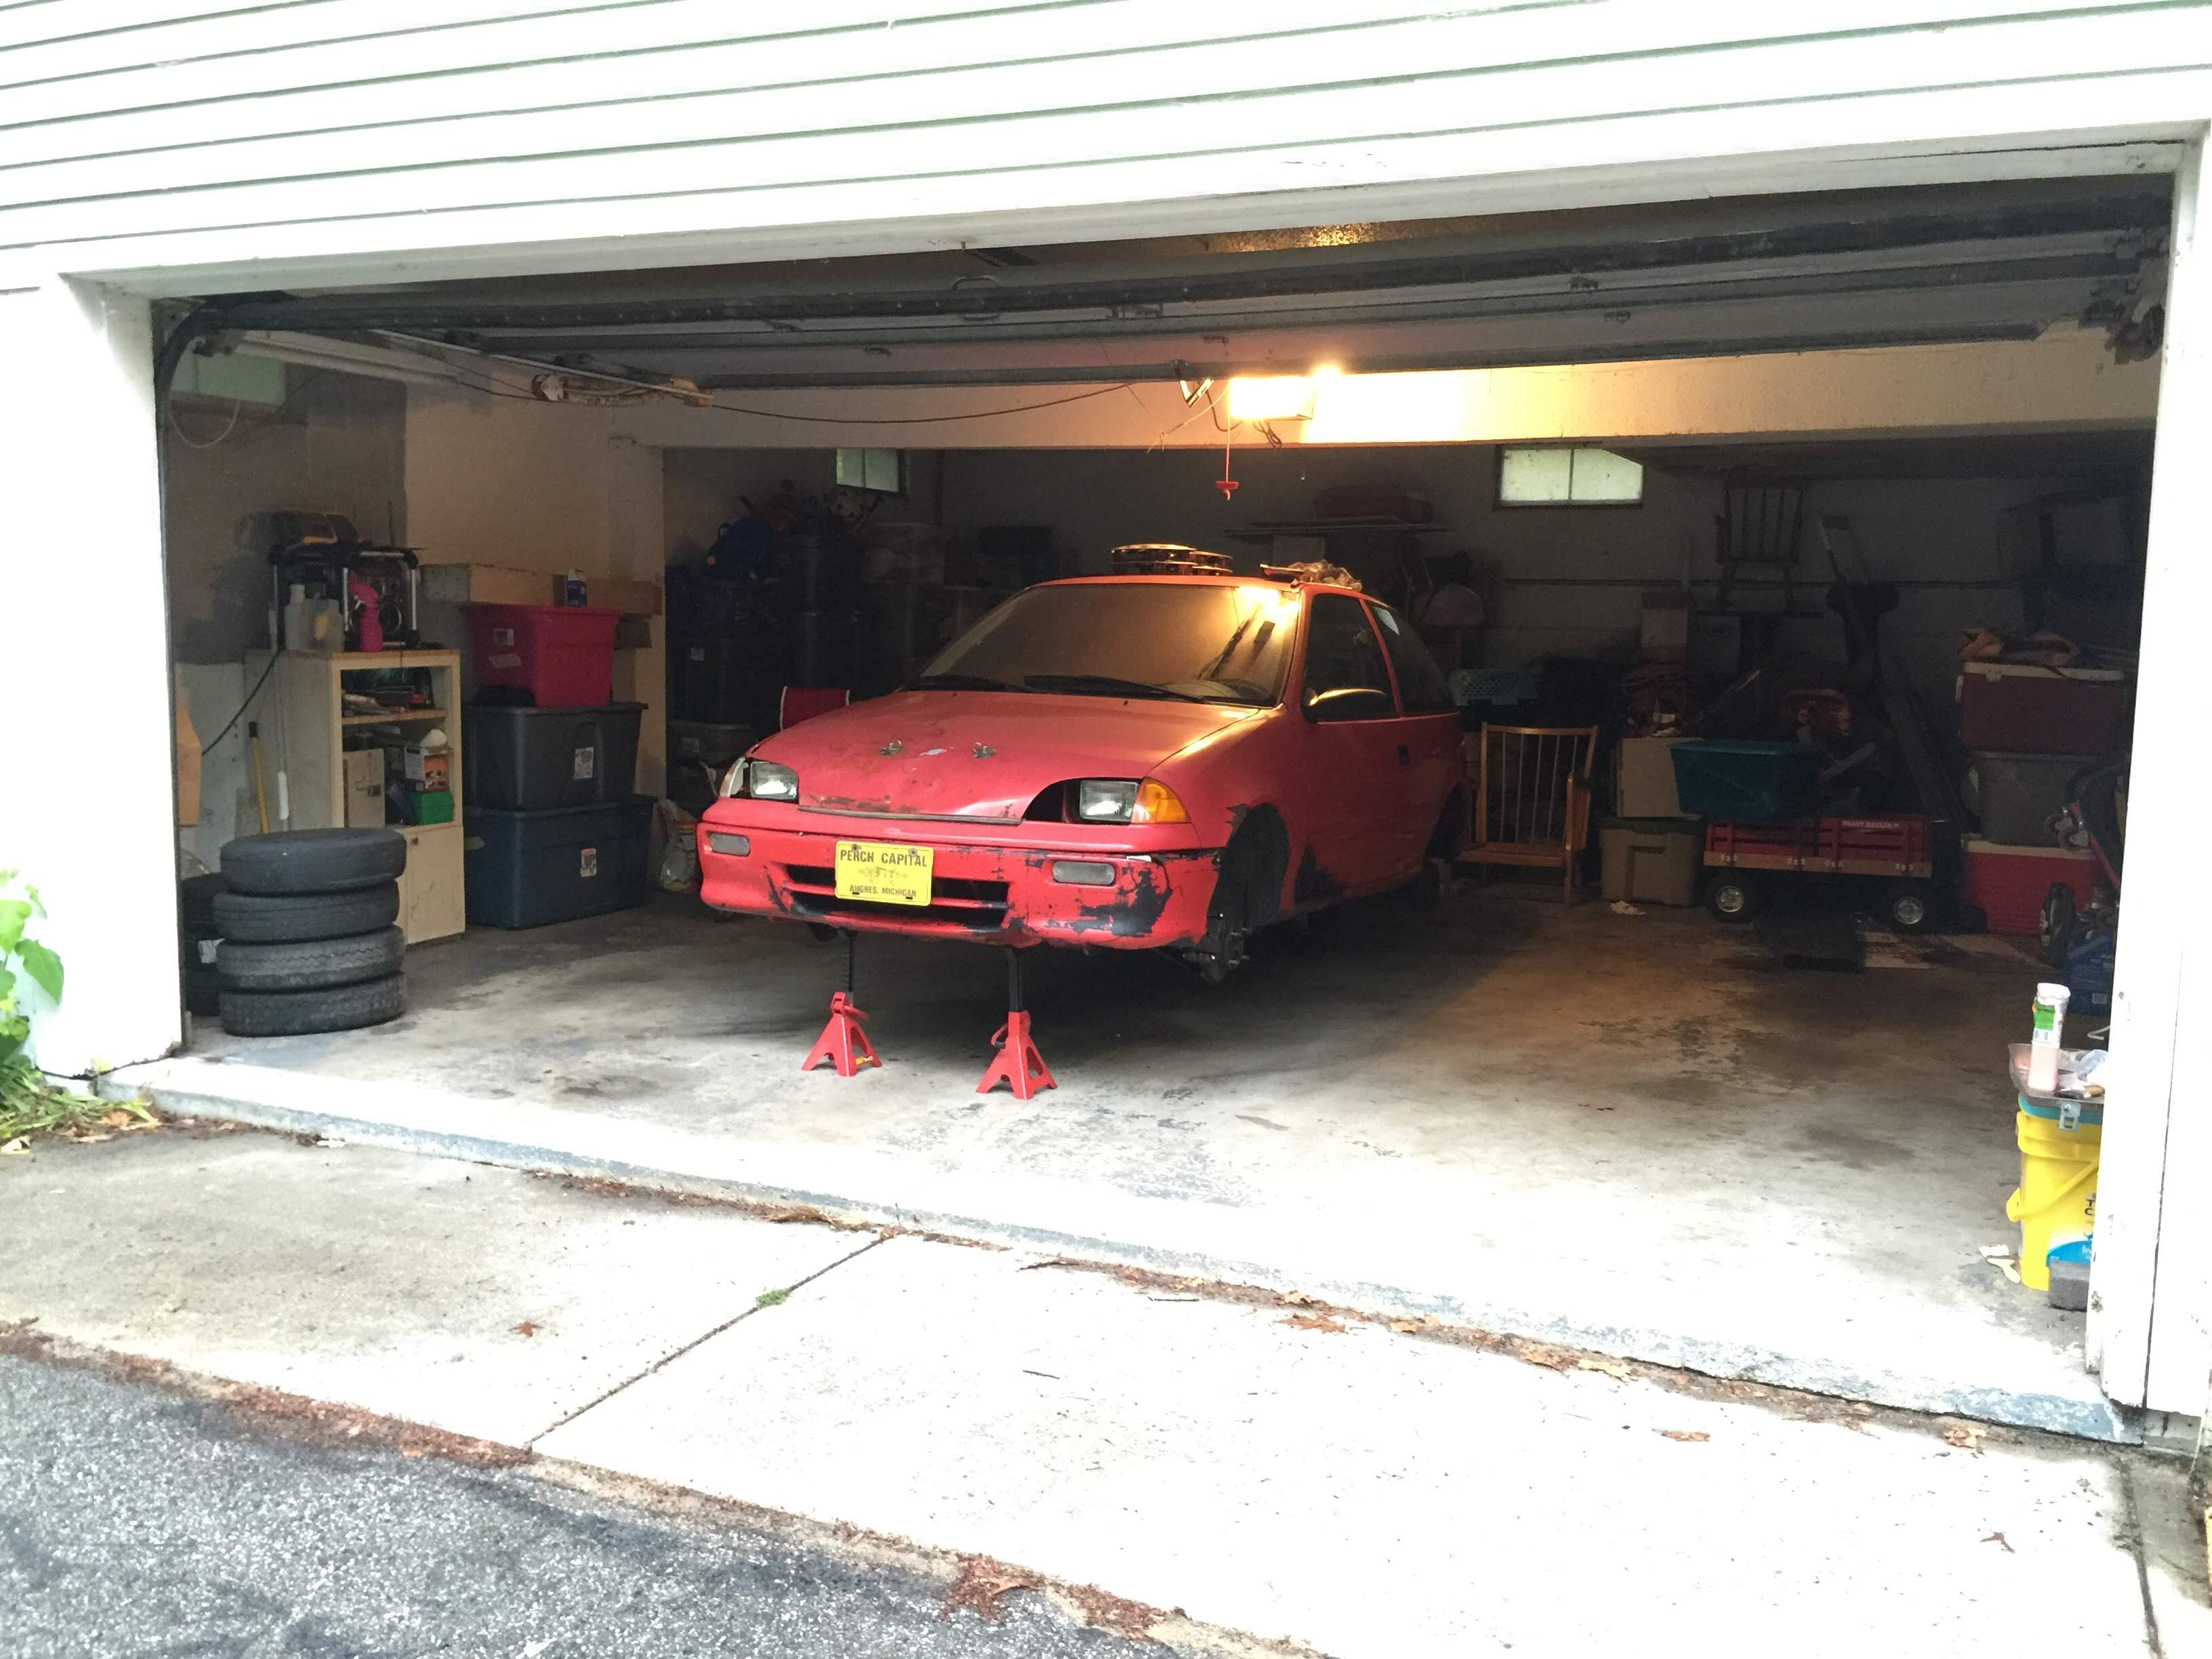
x=1640 y=1128
x=1781 y=273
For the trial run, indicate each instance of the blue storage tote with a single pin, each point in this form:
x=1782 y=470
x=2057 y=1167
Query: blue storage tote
x=1726 y=778
x=529 y=869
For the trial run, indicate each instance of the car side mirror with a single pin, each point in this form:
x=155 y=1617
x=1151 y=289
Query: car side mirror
x=1346 y=703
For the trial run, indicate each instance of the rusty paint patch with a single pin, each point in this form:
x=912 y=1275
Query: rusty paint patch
x=1314 y=882
x=984 y=751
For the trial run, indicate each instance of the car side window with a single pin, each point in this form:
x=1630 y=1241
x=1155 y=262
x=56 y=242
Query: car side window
x=1346 y=679
x=1421 y=683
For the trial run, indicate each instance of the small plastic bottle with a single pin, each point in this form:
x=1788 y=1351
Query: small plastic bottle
x=2050 y=1032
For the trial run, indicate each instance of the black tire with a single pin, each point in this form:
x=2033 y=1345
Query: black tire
x=196 y=902
x=272 y=919
x=1909 y=907
x=1732 y=897
x=310 y=964
x=303 y=1013
x=202 y=991
x=314 y=860
x=2057 y=923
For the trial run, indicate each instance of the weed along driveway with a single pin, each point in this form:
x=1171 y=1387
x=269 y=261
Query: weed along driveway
x=634 y=1387
x=1486 y=1115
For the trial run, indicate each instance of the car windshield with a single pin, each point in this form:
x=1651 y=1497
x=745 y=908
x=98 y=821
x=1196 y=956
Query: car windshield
x=1204 y=641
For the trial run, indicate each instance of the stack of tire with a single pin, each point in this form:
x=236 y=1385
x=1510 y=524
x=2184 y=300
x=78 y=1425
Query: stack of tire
x=202 y=934
x=308 y=942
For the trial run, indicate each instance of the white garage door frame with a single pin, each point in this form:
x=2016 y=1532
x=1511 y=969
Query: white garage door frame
x=91 y=685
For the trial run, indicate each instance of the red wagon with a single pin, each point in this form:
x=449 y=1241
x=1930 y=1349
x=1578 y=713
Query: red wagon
x=1888 y=854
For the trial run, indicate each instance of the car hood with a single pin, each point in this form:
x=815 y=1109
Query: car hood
x=982 y=754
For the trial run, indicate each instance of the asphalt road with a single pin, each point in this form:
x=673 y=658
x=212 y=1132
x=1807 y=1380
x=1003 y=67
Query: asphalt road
x=133 y=1522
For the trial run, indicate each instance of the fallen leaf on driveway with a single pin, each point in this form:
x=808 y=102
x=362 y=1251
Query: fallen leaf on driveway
x=1314 y=1323
x=1543 y=1353
x=526 y=1328
x=19 y=1144
x=1965 y=1436
x=1406 y=1325
x=1615 y=1369
x=982 y=1583
x=1298 y=1298
x=1999 y=1538
x=1686 y=1435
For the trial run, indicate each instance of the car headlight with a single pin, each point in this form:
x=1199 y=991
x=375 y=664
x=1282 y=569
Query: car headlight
x=766 y=781
x=1105 y=800
x=1126 y=800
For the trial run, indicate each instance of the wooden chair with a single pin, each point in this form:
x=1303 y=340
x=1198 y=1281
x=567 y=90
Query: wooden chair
x=1532 y=799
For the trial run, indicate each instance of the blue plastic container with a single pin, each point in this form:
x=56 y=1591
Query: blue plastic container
x=1725 y=778
x=529 y=869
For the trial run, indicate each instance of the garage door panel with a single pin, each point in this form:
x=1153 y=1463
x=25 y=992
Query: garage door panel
x=1224 y=100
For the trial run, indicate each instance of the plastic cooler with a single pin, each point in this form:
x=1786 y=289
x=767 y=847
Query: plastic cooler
x=2009 y=883
x=558 y=656
x=525 y=760
x=530 y=869
x=1723 y=778
x=2015 y=796
x=2020 y=709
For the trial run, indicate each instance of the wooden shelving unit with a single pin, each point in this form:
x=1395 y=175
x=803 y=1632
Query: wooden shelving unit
x=304 y=722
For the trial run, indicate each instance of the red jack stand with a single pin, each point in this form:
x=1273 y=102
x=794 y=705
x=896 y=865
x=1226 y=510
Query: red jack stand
x=842 y=1043
x=1018 y=1064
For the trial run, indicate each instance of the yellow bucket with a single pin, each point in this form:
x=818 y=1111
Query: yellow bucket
x=2056 y=1202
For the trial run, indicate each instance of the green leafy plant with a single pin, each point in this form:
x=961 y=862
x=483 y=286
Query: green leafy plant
x=29 y=1103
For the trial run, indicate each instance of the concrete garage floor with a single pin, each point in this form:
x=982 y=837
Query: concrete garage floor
x=1638 y=1134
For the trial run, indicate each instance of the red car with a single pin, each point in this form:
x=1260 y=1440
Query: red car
x=1168 y=762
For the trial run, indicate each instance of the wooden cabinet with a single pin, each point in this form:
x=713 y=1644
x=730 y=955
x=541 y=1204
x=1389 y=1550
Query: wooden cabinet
x=304 y=725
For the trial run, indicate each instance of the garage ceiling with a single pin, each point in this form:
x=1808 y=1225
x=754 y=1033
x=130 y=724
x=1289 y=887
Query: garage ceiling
x=1778 y=274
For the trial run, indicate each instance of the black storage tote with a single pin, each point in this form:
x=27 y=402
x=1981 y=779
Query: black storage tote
x=530 y=869
x=526 y=760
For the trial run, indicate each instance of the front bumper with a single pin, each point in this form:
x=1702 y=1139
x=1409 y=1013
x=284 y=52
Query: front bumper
x=995 y=892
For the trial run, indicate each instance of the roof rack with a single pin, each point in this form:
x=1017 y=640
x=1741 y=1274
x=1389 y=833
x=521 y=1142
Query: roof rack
x=1311 y=570
x=1170 y=559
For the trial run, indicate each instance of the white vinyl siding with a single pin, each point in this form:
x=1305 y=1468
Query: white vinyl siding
x=226 y=128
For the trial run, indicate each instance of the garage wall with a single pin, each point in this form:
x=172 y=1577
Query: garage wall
x=539 y=486
x=1573 y=577
x=703 y=487
x=338 y=445
x=265 y=137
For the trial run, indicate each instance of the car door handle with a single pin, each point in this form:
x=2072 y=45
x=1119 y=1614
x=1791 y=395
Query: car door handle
x=1405 y=755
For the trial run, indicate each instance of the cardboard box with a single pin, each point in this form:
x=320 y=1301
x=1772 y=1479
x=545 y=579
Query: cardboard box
x=430 y=768
x=364 y=788
x=188 y=764
x=499 y=584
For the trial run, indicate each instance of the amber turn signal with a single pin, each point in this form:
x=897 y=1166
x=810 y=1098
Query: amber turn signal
x=1157 y=804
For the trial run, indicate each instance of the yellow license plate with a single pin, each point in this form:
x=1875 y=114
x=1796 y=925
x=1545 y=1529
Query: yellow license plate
x=884 y=874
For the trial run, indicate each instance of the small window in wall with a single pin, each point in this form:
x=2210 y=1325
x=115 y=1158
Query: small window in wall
x=883 y=471
x=1556 y=475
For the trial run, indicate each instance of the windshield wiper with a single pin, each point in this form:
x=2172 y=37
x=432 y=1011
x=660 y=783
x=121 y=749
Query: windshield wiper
x=957 y=683
x=1104 y=685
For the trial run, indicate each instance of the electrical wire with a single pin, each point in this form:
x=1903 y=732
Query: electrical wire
x=274 y=418
x=925 y=420
x=232 y=724
x=236 y=404
x=542 y=366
